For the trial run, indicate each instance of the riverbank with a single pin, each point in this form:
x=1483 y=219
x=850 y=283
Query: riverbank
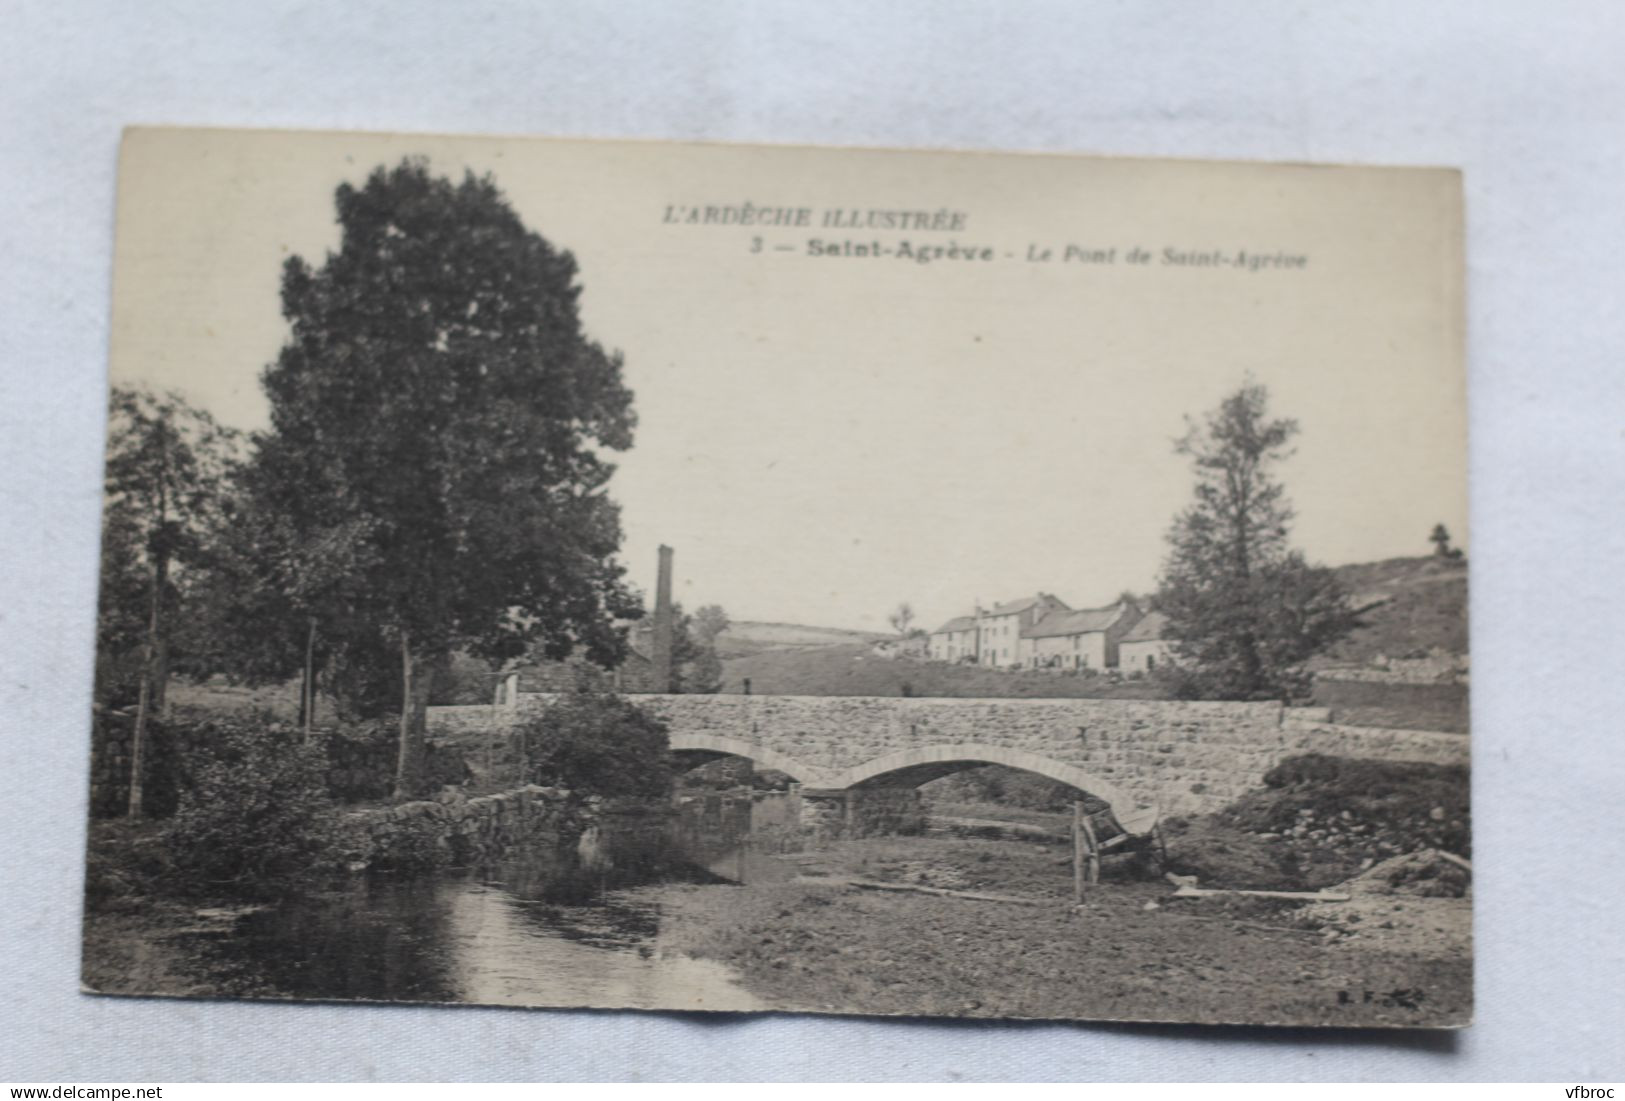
x=1133 y=952
x=141 y=922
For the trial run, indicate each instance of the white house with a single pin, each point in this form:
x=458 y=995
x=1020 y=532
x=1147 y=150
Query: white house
x=1144 y=648
x=954 y=640
x=1088 y=638
x=1000 y=634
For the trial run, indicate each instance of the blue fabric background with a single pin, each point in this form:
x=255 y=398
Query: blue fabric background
x=1527 y=98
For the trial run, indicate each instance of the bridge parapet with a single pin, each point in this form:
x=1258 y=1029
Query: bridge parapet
x=1182 y=756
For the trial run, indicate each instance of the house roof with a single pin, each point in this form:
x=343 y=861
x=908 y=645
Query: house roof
x=1148 y=629
x=958 y=623
x=1014 y=606
x=1080 y=622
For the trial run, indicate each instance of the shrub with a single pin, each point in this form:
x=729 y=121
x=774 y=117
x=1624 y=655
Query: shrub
x=125 y=864
x=173 y=749
x=1410 y=804
x=595 y=744
x=415 y=845
x=360 y=759
x=257 y=811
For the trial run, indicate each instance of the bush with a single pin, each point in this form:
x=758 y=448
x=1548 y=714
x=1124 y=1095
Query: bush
x=1350 y=804
x=173 y=749
x=257 y=811
x=415 y=845
x=595 y=744
x=362 y=757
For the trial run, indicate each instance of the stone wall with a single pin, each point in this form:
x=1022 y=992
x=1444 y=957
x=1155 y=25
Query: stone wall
x=1444 y=703
x=1375 y=743
x=470 y=718
x=1181 y=756
x=1439 y=666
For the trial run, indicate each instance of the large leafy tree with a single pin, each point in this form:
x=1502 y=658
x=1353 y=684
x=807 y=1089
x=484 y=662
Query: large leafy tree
x=1245 y=611
x=168 y=468
x=437 y=392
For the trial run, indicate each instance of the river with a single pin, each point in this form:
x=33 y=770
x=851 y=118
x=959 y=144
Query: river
x=575 y=927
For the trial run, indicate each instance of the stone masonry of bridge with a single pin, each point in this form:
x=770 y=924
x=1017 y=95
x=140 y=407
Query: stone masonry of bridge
x=1181 y=757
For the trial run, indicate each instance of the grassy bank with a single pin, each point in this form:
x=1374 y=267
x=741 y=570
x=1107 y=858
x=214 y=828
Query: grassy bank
x=855 y=670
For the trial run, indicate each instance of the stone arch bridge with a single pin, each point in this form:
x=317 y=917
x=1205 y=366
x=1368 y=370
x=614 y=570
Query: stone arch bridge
x=1143 y=757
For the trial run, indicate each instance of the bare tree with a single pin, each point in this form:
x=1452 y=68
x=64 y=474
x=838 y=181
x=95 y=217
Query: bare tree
x=902 y=619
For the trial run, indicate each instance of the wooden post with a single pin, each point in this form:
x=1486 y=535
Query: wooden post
x=307 y=691
x=1091 y=845
x=1085 y=852
x=491 y=737
x=1077 y=852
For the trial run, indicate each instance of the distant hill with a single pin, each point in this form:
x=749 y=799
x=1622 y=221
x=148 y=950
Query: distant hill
x=751 y=636
x=1414 y=605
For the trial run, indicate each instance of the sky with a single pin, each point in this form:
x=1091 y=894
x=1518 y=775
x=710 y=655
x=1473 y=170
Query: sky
x=824 y=437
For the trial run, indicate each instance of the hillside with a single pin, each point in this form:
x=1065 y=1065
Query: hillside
x=1413 y=606
x=1423 y=606
x=854 y=670
x=751 y=637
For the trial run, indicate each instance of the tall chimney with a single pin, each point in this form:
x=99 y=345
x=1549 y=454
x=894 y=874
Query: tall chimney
x=661 y=643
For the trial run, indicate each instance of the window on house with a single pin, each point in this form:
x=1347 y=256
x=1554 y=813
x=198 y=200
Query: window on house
x=1150 y=661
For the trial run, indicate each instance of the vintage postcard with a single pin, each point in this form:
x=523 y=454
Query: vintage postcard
x=705 y=577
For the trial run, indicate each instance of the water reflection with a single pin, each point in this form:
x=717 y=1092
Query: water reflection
x=577 y=927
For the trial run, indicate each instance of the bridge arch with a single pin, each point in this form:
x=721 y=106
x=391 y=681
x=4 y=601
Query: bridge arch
x=911 y=767
x=717 y=745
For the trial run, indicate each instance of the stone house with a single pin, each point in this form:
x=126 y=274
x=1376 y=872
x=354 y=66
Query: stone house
x=1143 y=649
x=954 y=640
x=1086 y=638
x=1001 y=629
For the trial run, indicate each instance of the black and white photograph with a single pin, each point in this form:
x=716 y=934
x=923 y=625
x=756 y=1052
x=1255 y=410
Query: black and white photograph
x=776 y=579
